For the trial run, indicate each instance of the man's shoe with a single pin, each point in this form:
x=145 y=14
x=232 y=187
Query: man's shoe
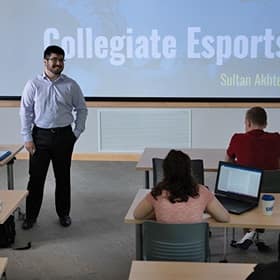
x=246 y=241
x=262 y=247
x=65 y=221
x=245 y=244
x=27 y=224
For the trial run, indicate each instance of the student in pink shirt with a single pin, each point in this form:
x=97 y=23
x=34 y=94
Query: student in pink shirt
x=178 y=198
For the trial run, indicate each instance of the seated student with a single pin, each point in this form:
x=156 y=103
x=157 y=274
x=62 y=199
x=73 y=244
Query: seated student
x=262 y=271
x=178 y=198
x=255 y=148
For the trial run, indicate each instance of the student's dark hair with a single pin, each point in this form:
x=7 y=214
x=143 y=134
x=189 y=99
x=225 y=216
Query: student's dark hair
x=53 y=49
x=257 y=115
x=177 y=178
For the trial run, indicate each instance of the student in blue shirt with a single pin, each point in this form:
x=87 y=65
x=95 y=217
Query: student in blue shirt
x=53 y=115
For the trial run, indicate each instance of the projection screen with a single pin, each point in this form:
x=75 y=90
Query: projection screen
x=147 y=49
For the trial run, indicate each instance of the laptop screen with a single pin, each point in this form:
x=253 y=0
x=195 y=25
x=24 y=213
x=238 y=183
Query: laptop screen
x=238 y=179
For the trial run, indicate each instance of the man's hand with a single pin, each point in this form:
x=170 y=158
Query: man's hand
x=30 y=147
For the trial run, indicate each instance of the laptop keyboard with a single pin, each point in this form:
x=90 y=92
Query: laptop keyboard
x=234 y=206
x=231 y=202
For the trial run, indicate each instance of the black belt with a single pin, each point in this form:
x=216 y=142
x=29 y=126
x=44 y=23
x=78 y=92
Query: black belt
x=54 y=129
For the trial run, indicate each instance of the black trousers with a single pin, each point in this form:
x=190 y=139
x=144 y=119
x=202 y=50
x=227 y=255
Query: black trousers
x=54 y=145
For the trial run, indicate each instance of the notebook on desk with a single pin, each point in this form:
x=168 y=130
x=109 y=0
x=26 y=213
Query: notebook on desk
x=4 y=154
x=238 y=187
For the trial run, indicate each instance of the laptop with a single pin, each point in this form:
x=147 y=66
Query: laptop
x=238 y=187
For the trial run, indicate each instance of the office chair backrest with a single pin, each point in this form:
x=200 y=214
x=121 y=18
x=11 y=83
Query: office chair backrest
x=196 y=164
x=271 y=181
x=198 y=170
x=157 y=170
x=175 y=242
x=271 y=184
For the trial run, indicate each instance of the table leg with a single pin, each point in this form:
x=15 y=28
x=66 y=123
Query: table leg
x=11 y=185
x=10 y=174
x=139 y=242
x=147 y=179
x=225 y=245
x=3 y=276
x=233 y=233
x=279 y=246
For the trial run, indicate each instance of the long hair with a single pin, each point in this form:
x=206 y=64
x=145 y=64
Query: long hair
x=178 y=180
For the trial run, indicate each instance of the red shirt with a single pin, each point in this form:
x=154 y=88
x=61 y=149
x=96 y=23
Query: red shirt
x=256 y=148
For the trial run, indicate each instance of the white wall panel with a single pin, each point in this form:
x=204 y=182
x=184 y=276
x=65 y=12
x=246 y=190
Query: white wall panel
x=132 y=130
x=196 y=127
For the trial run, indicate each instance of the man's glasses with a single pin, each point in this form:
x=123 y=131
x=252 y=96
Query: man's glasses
x=55 y=59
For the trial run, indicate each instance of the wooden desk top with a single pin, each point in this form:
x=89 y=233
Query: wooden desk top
x=13 y=148
x=150 y=270
x=253 y=218
x=129 y=218
x=211 y=157
x=11 y=200
x=3 y=265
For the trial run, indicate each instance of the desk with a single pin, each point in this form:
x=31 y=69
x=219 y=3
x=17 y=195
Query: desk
x=250 y=219
x=11 y=200
x=3 y=266
x=150 y=270
x=211 y=158
x=9 y=161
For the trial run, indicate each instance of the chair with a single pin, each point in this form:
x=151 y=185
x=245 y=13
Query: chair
x=271 y=184
x=175 y=242
x=198 y=170
x=271 y=181
x=157 y=170
x=196 y=165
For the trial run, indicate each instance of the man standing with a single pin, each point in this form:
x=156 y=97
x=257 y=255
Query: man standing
x=50 y=103
x=255 y=148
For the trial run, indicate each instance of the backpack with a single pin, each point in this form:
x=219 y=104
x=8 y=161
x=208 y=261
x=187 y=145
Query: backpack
x=7 y=232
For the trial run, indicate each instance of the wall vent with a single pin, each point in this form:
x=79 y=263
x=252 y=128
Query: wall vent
x=131 y=130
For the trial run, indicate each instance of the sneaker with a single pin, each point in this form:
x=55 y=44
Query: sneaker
x=246 y=241
x=245 y=244
x=262 y=247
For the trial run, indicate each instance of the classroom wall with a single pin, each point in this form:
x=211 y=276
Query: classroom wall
x=208 y=128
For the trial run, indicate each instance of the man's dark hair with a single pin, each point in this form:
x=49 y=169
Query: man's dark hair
x=53 y=49
x=257 y=115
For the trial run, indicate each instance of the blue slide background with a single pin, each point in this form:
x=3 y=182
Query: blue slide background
x=24 y=23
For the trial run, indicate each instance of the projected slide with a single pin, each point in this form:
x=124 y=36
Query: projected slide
x=193 y=49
